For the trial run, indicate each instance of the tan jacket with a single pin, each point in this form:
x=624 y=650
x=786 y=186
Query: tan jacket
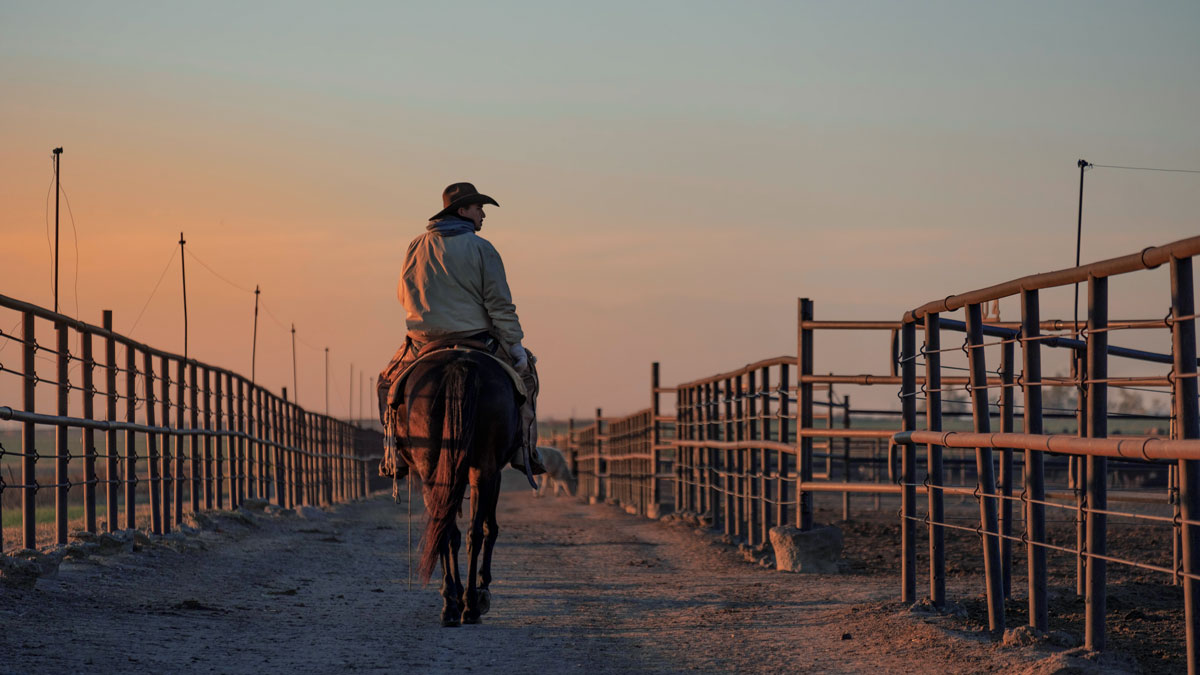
x=456 y=285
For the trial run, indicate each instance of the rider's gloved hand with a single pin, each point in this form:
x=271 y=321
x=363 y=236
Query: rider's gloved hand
x=520 y=357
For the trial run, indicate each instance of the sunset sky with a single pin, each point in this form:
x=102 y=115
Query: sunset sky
x=672 y=175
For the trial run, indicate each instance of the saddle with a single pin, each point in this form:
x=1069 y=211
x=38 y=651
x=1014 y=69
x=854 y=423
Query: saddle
x=484 y=344
x=393 y=410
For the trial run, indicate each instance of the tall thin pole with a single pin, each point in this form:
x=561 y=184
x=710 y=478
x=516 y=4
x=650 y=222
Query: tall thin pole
x=327 y=381
x=1083 y=165
x=1183 y=346
x=350 y=407
x=57 y=155
x=804 y=356
x=254 y=343
x=908 y=463
x=183 y=271
x=295 y=387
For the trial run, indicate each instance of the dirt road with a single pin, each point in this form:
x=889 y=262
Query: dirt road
x=577 y=588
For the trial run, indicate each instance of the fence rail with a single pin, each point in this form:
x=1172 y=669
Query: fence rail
x=749 y=444
x=203 y=438
x=1092 y=356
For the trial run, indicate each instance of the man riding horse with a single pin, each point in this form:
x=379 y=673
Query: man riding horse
x=455 y=293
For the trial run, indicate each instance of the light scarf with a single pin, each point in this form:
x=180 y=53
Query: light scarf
x=450 y=226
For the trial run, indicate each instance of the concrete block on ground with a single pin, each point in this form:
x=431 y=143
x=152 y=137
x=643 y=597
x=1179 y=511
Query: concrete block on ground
x=816 y=551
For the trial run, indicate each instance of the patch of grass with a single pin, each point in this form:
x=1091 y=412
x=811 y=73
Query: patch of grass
x=12 y=518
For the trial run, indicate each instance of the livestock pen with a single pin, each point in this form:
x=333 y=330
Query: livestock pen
x=748 y=449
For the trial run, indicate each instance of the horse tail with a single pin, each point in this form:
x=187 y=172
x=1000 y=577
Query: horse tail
x=460 y=391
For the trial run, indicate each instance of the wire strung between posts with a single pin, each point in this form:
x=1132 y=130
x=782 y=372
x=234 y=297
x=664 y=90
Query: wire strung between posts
x=268 y=312
x=215 y=273
x=74 y=232
x=1145 y=168
x=50 y=244
x=259 y=304
x=160 y=279
x=263 y=303
x=977 y=530
x=306 y=343
x=11 y=335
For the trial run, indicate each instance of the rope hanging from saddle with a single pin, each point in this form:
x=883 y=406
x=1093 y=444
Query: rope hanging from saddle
x=389 y=466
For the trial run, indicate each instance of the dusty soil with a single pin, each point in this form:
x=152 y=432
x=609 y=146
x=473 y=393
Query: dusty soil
x=577 y=588
x=1145 y=615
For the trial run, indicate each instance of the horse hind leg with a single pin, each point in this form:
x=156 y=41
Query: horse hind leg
x=451 y=586
x=484 y=596
x=491 y=530
x=471 y=608
x=456 y=541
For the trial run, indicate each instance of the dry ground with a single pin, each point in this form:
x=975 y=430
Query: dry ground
x=1145 y=617
x=577 y=588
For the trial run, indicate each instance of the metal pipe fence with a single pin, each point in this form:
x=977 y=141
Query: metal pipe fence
x=1090 y=451
x=751 y=447
x=625 y=460
x=176 y=435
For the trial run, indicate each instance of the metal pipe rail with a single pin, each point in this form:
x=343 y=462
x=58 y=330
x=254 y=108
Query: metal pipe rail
x=1149 y=258
x=737 y=427
x=8 y=414
x=993 y=330
x=187 y=427
x=39 y=312
x=757 y=365
x=744 y=457
x=787 y=448
x=713 y=429
x=622 y=459
x=1142 y=447
x=1090 y=451
x=1052 y=324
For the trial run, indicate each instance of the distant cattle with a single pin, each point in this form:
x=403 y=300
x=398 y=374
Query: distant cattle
x=558 y=475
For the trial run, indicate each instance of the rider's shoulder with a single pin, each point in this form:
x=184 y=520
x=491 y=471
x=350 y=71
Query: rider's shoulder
x=478 y=241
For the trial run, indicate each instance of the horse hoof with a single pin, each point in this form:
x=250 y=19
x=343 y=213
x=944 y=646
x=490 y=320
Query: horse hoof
x=469 y=619
x=484 y=598
x=450 y=622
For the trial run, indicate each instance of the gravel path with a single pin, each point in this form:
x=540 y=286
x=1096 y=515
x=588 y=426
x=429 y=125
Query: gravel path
x=577 y=588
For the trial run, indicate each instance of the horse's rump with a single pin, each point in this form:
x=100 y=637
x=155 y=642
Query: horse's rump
x=462 y=415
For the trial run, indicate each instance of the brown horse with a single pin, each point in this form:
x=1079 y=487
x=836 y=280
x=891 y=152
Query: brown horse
x=463 y=427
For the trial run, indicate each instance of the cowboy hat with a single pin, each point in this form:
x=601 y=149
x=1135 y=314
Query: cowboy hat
x=458 y=195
